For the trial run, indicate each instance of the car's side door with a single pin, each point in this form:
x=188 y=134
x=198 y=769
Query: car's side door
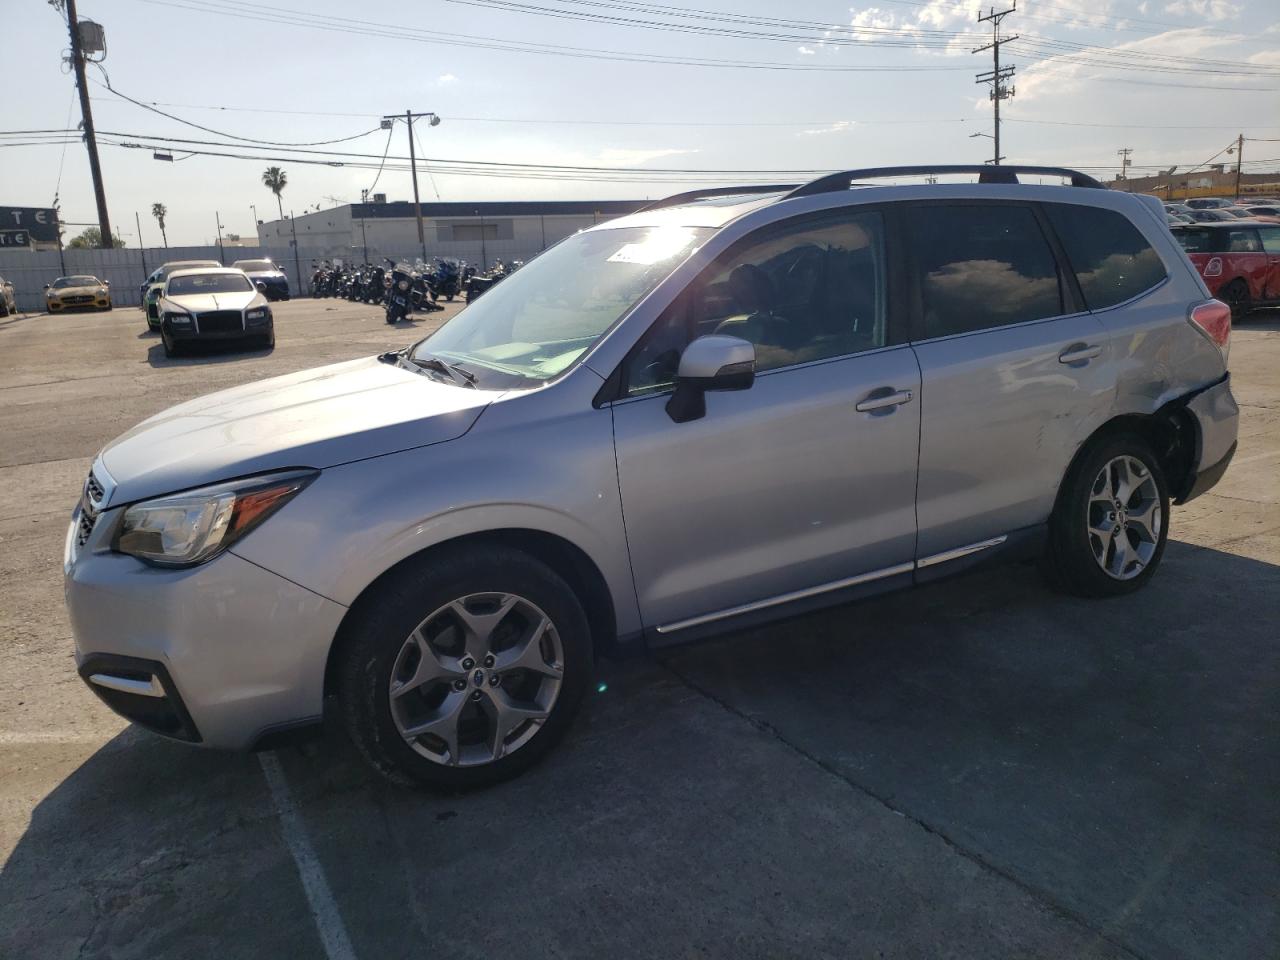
x=805 y=482
x=1014 y=371
x=1270 y=237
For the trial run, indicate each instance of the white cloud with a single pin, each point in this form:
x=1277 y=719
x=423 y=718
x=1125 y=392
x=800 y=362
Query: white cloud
x=1212 y=10
x=838 y=127
x=621 y=157
x=445 y=80
x=807 y=51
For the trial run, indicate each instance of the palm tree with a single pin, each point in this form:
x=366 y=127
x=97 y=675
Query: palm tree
x=160 y=211
x=275 y=180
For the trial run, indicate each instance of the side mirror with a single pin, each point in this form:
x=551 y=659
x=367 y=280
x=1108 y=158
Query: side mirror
x=48 y=285
x=106 y=283
x=713 y=362
x=262 y=287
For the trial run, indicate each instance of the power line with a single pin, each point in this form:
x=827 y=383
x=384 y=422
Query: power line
x=220 y=133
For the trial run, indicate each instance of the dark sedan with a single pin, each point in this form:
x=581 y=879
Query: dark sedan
x=266 y=276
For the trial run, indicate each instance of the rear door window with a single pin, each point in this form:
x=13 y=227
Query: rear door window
x=1270 y=237
x=980 y=266
x=1198 y=239
x=1112 y=260
x=1243 y=241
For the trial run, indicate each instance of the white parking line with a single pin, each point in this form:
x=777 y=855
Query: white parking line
x=324 y=910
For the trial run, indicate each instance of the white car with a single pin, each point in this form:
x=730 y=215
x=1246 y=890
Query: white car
x=153 y=286
x=214 y=304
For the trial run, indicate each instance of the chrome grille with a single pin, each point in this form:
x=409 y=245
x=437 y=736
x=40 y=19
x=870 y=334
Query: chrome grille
x=94 y=488
x=220 y=321
x=85 y=528
x=78 y=298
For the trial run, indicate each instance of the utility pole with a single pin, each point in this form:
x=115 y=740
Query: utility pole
x=142 y=249
x=222 y=257
x=1239 y=163
x=86 y=112
x=1123 y=153
x=997 y=75
x=297 y=267
x=434 y=120
x=364 y=240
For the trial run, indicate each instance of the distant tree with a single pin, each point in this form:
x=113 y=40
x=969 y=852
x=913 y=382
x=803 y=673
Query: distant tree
x=160 y=211
x=92 y=237
x=233 y=237
x=275 y=180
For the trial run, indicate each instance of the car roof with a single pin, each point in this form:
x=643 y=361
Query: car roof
x=718 y=206
x=205 y=271
x=190 y=263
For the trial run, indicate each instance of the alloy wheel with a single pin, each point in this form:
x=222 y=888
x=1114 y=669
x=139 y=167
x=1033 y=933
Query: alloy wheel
x=477 y=679
x=1124 y=517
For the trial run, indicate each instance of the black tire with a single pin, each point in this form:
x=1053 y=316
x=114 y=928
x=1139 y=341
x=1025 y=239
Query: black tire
x=1070 y=564
x=171 y=348
x=373 y=638
x=1236 y=295
x=449 y=297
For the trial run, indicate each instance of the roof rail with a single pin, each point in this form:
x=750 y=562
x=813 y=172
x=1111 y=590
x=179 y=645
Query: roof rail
x=679 y=198
x=987 y=173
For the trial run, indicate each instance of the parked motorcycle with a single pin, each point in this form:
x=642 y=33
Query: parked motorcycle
x=445 y=278
x=482 y=282
x=399 y=285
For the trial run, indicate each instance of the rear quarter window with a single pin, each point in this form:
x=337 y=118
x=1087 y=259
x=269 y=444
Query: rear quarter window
x=1112 y=260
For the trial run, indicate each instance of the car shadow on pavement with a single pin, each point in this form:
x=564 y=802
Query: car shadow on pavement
x=203 y=353
x=977 y=768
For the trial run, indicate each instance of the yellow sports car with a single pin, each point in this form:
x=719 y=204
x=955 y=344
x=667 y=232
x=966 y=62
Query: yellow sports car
x=78 y=293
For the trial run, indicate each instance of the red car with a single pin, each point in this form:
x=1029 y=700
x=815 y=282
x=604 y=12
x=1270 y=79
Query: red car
x=1240 y=261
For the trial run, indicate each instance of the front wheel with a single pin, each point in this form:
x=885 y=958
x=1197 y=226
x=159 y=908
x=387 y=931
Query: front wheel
x=1109 y=529
x=170 y=344
x=465 y=669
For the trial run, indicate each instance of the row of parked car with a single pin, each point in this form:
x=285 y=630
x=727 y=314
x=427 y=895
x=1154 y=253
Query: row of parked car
x=1235 y=246
x=1221 y=210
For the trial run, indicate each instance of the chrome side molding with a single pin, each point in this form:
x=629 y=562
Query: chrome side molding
x=959 y=552
x=933 y=560
x=787 y=597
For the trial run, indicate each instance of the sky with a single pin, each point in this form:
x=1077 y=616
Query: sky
x=623 y=87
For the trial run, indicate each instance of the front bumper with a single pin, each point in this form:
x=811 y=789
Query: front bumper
x=251 y=328
x=1217 y=420
x=96 y=303
x=216 y=654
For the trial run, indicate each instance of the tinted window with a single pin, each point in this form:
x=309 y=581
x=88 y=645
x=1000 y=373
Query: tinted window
x=259 y=266
x=982 y=266
x=1198 y=239
x=84 y=281
x=1270 y=239
x=1112 y=260
x=799 y=292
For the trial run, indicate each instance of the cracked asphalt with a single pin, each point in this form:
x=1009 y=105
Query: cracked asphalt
x=979 y=768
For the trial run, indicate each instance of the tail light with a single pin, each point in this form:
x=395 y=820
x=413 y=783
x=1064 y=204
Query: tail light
x=1213 y=317
x=1213 y=268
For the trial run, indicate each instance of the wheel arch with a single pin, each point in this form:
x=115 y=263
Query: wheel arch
x=1173 y=434
x=564 y=557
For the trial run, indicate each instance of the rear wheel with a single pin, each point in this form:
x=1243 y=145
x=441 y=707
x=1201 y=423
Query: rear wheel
x=1236 y=295
x=464 y=670
x=1109 y=529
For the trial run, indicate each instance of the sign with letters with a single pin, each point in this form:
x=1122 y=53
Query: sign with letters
x=14 y=238
x=33 y=223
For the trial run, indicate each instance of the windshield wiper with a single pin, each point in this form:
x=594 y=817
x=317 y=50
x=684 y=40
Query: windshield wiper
x=453 y=372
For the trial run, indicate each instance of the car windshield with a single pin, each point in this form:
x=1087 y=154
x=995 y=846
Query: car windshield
x=536 y=323
x=75 y=282
x=256 y=265
x=209 y=283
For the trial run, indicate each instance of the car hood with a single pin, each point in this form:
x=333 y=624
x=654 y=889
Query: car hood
x=204 y=302
x=76 y=291
x=315 y=418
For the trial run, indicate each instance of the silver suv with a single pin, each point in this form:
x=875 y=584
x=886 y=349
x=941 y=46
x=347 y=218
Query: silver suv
x=732 y=406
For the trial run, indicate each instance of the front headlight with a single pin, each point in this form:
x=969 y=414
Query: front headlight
x=189 y=528
x=257 y=313
x=403 y=284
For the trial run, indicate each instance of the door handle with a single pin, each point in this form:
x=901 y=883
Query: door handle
x=884 y=401
x=1079 y=353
